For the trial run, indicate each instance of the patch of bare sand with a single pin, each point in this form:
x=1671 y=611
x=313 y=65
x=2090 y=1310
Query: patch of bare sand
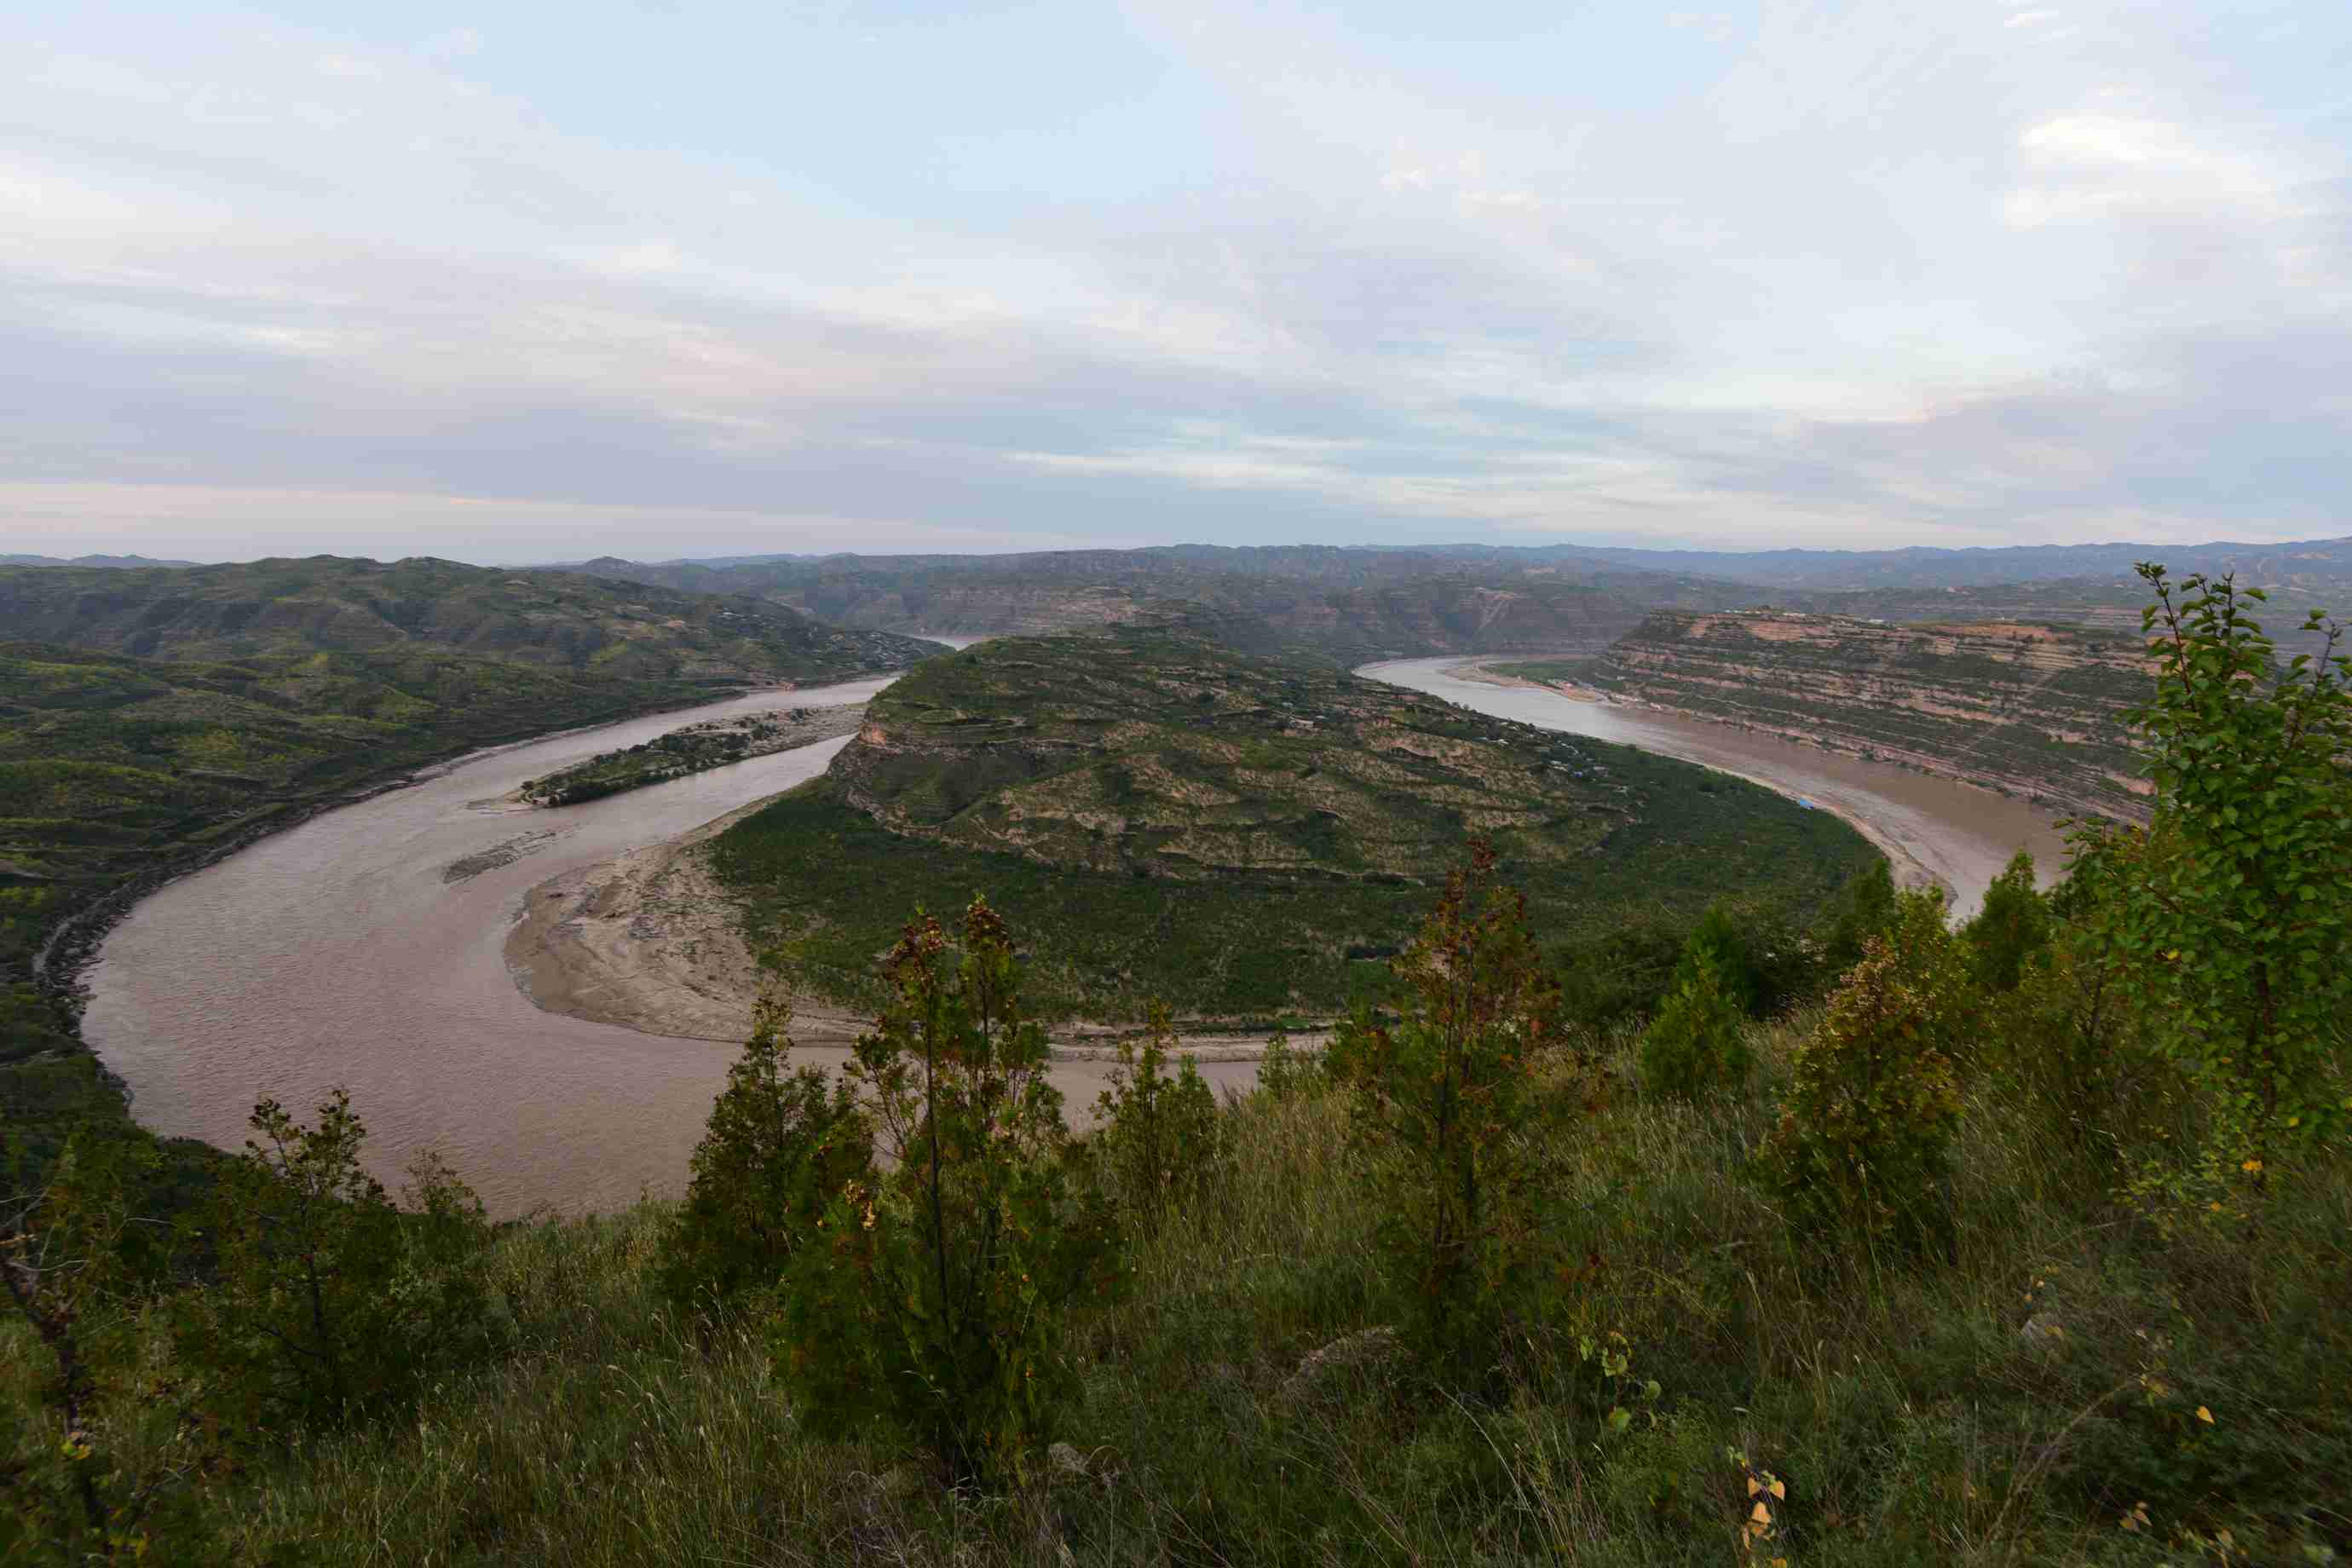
x=1486 y=675
x=649 y=942
x=652 y=941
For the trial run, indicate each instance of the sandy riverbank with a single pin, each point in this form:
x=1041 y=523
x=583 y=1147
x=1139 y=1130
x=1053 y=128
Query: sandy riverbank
x=1935 y=846
x=651 y=942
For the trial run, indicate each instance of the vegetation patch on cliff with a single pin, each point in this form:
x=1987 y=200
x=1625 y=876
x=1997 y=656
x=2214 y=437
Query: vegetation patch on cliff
x=1241 y=838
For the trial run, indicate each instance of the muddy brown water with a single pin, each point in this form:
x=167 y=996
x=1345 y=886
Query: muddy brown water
x=1956 y=833
x=339 y=954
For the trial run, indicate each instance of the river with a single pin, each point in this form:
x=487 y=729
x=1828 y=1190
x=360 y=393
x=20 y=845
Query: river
x=1956 y=833
x=337 y=954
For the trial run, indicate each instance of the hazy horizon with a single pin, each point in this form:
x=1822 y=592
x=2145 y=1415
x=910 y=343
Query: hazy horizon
x=714 y=558
x=549 y=283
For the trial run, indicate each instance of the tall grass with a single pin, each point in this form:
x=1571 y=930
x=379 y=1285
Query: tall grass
x=1895 y=1395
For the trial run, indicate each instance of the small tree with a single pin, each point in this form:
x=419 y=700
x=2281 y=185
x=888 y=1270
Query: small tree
x=1865 y=907
x=933 y=1299
x=780 y=1146
x=2237 y=917
x=1286 y=1072
x=1442 y=1096
x=328 y=1300
x=2069 y=1030
x=2013 y=926
x=1865 y=1139
x=1696 y=1045
x=1159 y=1134
x=1763 y=960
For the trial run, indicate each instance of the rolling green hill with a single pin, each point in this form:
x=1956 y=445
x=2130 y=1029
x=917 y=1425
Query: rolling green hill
x=554 y=621
x=1234 y=834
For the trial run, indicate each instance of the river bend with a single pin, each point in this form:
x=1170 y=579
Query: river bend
x=338 y=952
x=1957 y=835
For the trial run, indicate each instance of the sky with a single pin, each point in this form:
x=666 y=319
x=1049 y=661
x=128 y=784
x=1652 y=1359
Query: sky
x=543 y=281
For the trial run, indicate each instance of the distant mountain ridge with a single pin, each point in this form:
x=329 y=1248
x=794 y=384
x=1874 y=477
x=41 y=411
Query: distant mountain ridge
x=587 y=626
x=1362 y=602
x=117 y=562
x=2316 y=562
x=1346 y=605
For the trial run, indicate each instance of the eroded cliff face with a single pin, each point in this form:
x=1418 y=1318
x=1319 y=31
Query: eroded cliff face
x=2034 y=711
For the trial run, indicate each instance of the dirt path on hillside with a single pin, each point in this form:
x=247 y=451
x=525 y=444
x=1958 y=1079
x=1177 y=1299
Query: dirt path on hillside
x=651 y=942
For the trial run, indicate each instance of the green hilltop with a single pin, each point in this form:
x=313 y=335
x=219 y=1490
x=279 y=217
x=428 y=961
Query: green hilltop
x=1237 y=837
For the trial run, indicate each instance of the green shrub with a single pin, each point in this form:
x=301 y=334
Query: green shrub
x=329 y=1301
x=2013 y=925
x=778 y=1148
x=2070 y=1033
x=2233 y=910
x=1622 y=972
x=1864 y=1145
x=1286 y=1072
x=1865 y=907
x=932 y=1300
x=1763 y=960
x=80 y=1253
x=1443 y=1098
x=1694 y=1046
x=1159 y=1134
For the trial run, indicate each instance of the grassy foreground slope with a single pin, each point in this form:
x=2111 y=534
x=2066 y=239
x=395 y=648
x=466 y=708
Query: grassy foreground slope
x=1241 y=838
x=1914 y=1416
x=550 y=620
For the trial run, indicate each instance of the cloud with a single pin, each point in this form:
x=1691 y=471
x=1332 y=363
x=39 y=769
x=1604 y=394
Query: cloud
x=1808 y=273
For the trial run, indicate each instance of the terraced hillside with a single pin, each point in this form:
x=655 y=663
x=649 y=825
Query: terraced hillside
x=1238 y=835
x=2035 y=711
x=565 y=622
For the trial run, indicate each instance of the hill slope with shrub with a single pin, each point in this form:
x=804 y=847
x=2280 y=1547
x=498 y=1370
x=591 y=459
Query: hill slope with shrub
x=564 y=622
x=1235 y=835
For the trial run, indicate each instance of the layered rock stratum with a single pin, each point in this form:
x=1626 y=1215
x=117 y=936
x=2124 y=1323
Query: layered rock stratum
x=2032 y=709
